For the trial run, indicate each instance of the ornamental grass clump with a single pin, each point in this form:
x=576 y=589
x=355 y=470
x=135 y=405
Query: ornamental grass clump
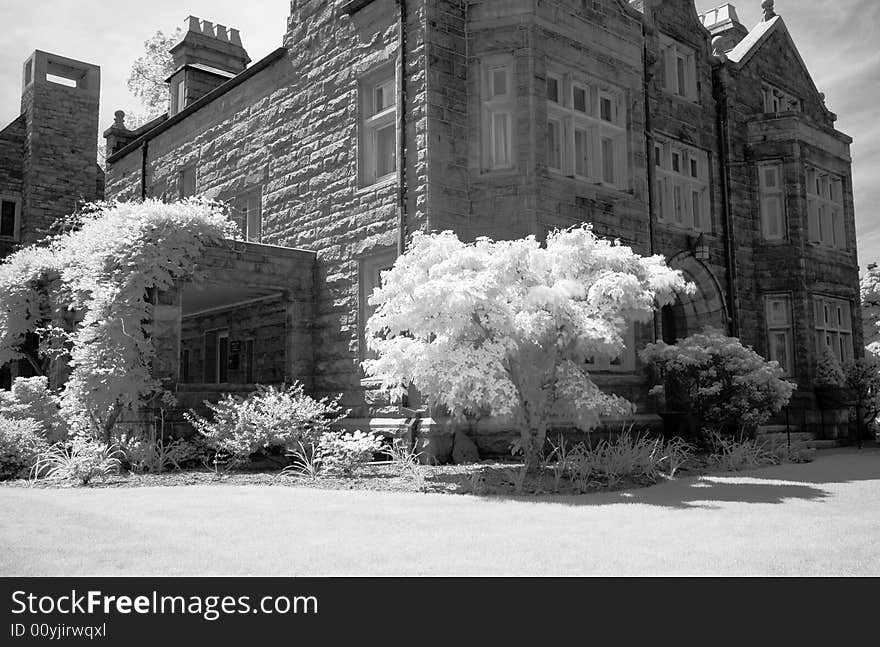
x=272 y=417
x=82 y=460
x=728 y=386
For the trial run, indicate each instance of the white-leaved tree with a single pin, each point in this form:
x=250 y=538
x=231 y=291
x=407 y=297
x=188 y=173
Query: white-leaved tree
x=506 y=328
x=870 y=294
x=146 y=80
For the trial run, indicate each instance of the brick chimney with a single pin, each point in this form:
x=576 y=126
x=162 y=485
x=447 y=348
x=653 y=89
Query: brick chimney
x=206 y=57
x=724 y=25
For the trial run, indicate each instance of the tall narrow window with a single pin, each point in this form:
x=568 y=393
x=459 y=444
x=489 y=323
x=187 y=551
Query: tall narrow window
x=378 y=133
x=499 y=108
x=825 y=209
x=370 y=278
x=247 y=213
x=679 y=75
x=186 y=182
x=10 y=215
x=772 y=201
x=178 y=102
x=779 y=331
x=184 y=366
x=834 y=327
x=554 y=145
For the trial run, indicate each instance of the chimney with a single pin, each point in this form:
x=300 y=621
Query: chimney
x=724 y=25
x=206 y=57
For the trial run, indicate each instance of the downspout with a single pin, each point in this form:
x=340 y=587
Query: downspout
x=649 y=159
x=729 y=230
x=144 y=151
x=401 y=130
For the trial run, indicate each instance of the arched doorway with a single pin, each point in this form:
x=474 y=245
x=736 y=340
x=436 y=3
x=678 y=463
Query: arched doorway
x=691 y=313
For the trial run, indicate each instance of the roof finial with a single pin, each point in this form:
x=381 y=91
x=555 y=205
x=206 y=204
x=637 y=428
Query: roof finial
x=767 y=5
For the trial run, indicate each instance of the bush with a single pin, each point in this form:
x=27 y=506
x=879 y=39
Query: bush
x=733 y=455
x=828 y=371
x=271 y=417
x=21 y=442
x=729 y=386
x=342 y=453
x=81 y=460
x=30 y=398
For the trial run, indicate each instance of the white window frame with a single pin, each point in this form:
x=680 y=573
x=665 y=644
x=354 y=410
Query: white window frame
x=16 y=234
x=777 y=100
x=593 y=129
x=674 y=189
x=178 y=98
x=247 y=210
x=826 y=219
x=678 y=57
x=772 y=194
x=374 y=120
x=498 y=107
x=778 y=314
x=834 y=326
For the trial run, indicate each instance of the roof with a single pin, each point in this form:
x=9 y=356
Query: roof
x=217 y=92
x=203 y=68
x=755 y=38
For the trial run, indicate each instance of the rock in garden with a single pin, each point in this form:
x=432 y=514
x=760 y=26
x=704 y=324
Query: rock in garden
x=464 y=450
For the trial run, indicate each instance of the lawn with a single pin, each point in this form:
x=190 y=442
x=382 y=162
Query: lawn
x=821 y=518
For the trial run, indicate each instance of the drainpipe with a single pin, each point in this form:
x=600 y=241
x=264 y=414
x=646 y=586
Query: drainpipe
x=401 y=130
x=144 y=151
x=729 y=230
x=649 y=157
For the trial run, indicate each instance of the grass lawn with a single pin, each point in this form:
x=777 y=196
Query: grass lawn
x=820 y=518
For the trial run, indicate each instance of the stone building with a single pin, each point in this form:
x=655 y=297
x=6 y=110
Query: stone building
x=681 y=134
x=48 y=155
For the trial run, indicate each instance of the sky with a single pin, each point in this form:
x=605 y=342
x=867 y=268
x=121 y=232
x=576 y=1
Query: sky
x=837 y=41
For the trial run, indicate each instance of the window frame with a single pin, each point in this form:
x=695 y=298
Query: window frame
x=824 y=304
x=595 y=130
x=785 y=327
x=669 y=182
x=495 y=106
x=16 y=218
x=833 y=204
x=679 y=60
x=774 y=98
x=372 y=122
x=252 y=197
x=370 y=270
x=767 y=195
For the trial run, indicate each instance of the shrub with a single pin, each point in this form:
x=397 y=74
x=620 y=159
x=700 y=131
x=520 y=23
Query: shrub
x=81 y=460
x=278 y=417
x=30 y=398
x=863 y=377
x=728 y=385
x=342 y=453
x=828 y=370
x=21 y=442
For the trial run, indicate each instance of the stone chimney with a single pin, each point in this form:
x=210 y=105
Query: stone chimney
x=206 y=57
x=724 y=25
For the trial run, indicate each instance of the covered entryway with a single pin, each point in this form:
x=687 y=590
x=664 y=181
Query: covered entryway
x=692 y=313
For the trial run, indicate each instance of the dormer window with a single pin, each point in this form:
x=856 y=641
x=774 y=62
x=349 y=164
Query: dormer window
x=679 y=77
x=776 y=100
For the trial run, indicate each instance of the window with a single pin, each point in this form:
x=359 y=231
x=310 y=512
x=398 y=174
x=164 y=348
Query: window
x=772 y=201
x=779 y=331
x=679 y=76
x=625 y=362
x=681 y=190
x=247 y=213
x=186 y=182
x=499 y=108
x=10 y=218
x=378 y=134
x=776 y=100
x=370 y=278
x=825 y=212
x=217 y=357
x=834 y=327
x=178 y=96
x=586 y=132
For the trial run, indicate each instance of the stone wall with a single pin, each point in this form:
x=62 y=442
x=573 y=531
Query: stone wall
x=11 y=169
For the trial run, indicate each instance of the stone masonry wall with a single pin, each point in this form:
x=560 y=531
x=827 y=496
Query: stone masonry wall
x=11 y=169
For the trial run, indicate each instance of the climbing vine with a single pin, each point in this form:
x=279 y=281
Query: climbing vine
x=89 y=294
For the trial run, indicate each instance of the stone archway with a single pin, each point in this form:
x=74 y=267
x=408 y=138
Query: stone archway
x=691 y=313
